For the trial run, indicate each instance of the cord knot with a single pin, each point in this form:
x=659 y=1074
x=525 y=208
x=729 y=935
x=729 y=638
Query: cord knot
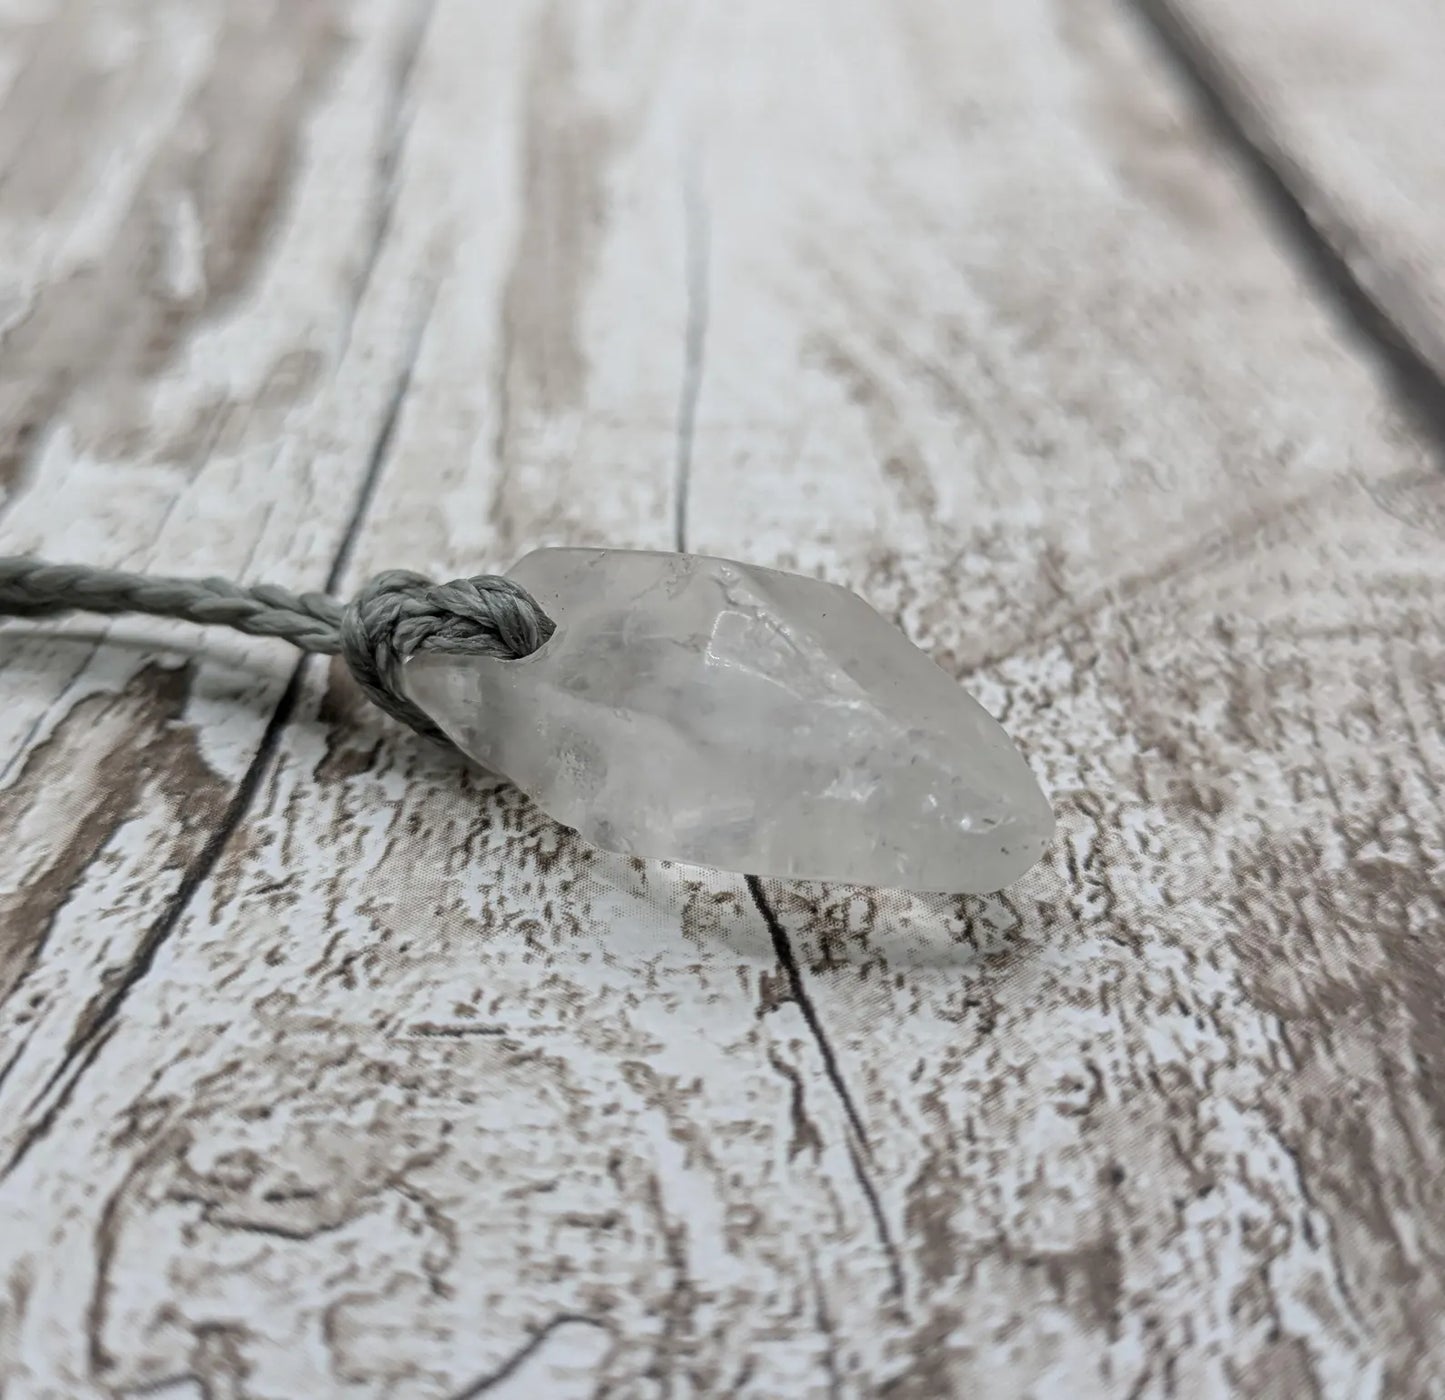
x=400 y=613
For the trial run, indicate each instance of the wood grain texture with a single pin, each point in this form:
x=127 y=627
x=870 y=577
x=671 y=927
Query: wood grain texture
x=165 y=356
x=333 y=1068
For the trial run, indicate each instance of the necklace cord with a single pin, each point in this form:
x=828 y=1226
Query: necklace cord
x=394 y=617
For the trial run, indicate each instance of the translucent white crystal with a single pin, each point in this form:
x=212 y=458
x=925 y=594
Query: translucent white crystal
x=700 y=710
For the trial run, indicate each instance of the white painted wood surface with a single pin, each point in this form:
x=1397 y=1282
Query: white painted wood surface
x=1344 y=101
x=331 y=1067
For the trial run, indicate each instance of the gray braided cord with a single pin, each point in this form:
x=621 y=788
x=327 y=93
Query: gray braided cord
x=33 y=588
x=399 y=614
x=395 y=616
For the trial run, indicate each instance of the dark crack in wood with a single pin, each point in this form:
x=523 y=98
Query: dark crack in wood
x=1283 y=190
x=697 y=235
x=859 y=1151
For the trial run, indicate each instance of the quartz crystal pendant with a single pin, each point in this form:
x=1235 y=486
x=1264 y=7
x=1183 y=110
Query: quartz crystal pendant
x=699 y=710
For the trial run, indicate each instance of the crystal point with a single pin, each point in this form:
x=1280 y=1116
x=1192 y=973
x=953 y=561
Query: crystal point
x=695 y=709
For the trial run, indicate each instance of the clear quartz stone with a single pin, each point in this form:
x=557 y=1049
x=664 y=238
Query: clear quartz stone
x=700 y=710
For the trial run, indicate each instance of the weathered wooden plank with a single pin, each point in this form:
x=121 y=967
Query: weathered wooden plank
x=1090 y=386
x=490 y=987
x=196 y=368
x=1343 y=103
x=419 y=1097
x=1166 y=1110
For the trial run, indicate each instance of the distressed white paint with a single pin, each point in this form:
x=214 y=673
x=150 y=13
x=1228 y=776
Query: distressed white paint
x=417 y=1095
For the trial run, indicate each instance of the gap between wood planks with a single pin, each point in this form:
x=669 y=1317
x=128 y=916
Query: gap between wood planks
x=859 y=1150
x=697 y=257
x=98 y=1021
x=1281 y=188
